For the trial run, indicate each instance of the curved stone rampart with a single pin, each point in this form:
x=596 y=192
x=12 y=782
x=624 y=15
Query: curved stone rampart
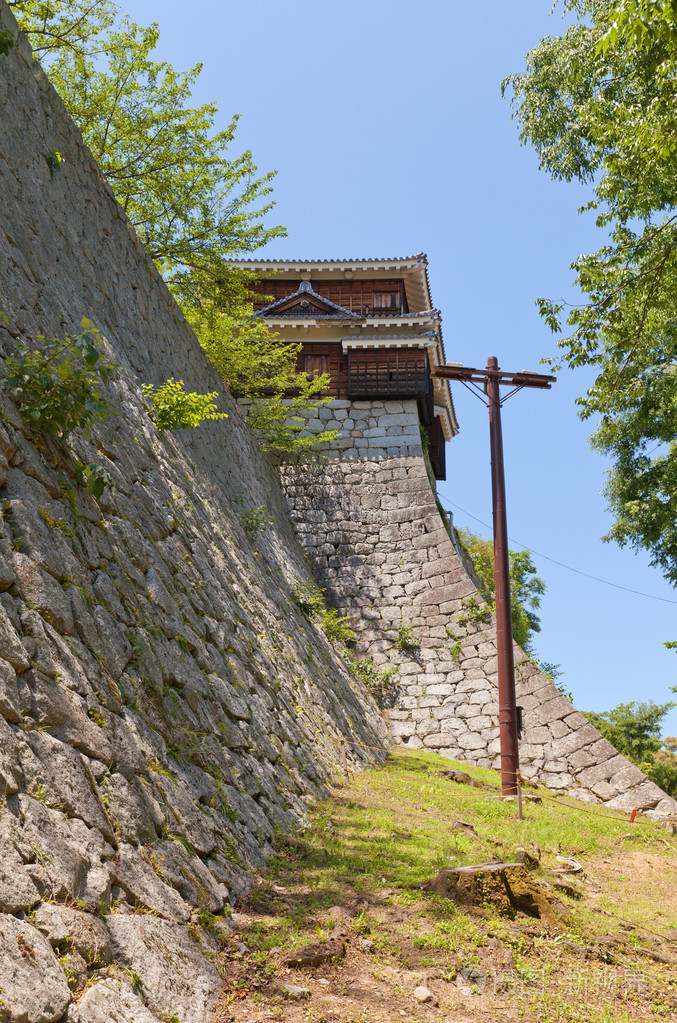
x=369 y=522
x=164 y=705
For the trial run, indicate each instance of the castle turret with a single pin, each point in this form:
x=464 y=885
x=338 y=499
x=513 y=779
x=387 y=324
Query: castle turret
x=371 y=325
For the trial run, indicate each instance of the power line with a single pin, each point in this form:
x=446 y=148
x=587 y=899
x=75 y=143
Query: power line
x=617 y=586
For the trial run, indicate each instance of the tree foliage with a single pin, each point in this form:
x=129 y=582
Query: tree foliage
x=635 y=730
x=171 y=407
x=191 y=203
x=57 y=382
x=526 y=587
x=599 y=104
x=254 y=364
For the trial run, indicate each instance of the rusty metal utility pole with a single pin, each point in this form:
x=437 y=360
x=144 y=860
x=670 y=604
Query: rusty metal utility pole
x=491 y=378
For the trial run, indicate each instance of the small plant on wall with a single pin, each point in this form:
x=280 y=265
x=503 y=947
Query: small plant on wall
x=174 y=408
x=380 y=683
x=56 y=383
x=406 y=640
x=311 y=600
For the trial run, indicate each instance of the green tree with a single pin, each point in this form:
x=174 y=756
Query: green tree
x=254 y=364
x=526 y=587
x=192 y=205
x=599 y=104
x=59 y=29
x=633 y=728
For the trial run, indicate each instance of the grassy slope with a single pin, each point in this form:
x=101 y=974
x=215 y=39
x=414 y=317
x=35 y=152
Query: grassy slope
x=368 y=849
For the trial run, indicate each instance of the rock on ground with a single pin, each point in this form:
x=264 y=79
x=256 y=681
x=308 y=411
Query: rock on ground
x=508 y=886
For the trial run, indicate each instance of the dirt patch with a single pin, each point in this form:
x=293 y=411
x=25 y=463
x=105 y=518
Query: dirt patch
x=639 y=886
x=355 y=878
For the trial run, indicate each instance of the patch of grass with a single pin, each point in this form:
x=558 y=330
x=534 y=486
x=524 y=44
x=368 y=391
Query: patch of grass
x=369 y=848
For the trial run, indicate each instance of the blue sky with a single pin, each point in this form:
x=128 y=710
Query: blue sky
x=385 y=123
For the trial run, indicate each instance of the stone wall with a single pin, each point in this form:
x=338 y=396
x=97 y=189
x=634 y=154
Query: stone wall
x=164 y=707
x=375 y=537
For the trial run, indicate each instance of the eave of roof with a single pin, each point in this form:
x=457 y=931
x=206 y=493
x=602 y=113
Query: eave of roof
x=404 y=262
x=405 y=265
x=424 y=338
x=390 y=319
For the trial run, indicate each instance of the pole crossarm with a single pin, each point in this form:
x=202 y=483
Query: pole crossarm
x=526 y=378
x=491 y=379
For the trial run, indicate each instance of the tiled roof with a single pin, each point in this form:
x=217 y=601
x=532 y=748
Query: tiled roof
x=327 y=262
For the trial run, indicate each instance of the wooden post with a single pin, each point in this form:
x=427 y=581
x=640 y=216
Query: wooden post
x=488 y=381
x=507 y=700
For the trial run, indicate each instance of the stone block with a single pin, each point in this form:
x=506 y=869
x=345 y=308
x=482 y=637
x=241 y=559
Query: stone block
x=532 y=751
x=604 y=790
x=34 y=986
x=143 y=887
x=552 y=710
x=627 y=777
x=440 y=689
x=580 y=758
x=538 y=734
x=575 y=720
x=413 y=742
x=471 y=741
x=18 y=892
x=445 y=713
x=602 y=750
x=401 y=728
x=131 y=809
x=67 y=928
x=645 y=794
x=10 y=707
x=440 y=740
x=558 y=729
x=177 y=975
x=395 y=419
x=112 y=999
x=442 y=568
x=576 y=740
x=589 y=776
x=60 y=772
x=187 y=874
x=428 y=727
x=556 y=781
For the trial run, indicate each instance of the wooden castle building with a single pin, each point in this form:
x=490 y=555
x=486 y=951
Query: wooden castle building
x=371 y=325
